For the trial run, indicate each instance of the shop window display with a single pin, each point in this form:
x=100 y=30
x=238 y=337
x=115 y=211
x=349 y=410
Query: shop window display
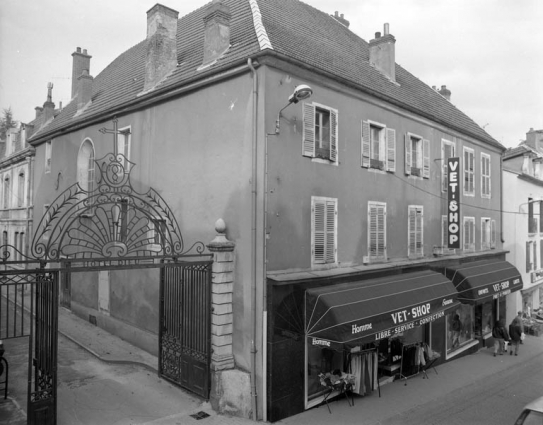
x=483 y=319
x=460 y=325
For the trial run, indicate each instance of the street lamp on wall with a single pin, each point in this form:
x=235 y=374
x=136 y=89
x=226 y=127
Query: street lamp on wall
x=301 y=92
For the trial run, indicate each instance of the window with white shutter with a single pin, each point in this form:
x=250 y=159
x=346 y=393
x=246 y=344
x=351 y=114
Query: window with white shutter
x=485 y=233
x=124 y=141
x=469 y=234
x=377 y=231
x=415 y=231
x=378 y=146
x=323 y=230
x=417 y=156
x=485 y=175
x=320 y=132
x=448 y=150
x=469 y=172
x=492 y=234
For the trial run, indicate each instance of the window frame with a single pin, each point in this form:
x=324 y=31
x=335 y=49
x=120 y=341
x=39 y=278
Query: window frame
x=7 y=191
x=486 y=176
x=421 y=152
x=48 y=156
x=86 y=170
x=387 y=147
x=486 y=233
x=373 y=236
x=124 y=141
x=21 y=189
x=467 y=174
x=468 y=244
x=444 y=171
x=414 y=251
x=309 y=142
x=329 y=227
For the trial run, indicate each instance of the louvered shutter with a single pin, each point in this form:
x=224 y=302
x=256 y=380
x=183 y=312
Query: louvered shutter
x=493 y=234
x=535 y=255
x=381 y=231
x=426 y=158
x=309 y=130
x=528 y=267
x=541 y=252
x=319 y=236
x=466 y=234
x=333 y=135
x=419 y=230
x=412 y=230
x=391 y=150
x=407 y=154
x=330 y=242
x=366 y=143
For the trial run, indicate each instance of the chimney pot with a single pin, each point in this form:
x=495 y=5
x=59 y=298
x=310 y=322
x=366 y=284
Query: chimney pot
x=383 y=54
x=445 y=92
x=336 y=14
x=81 y=61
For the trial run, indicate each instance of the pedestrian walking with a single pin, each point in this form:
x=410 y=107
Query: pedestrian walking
x=519 y=317
x=515 y=333
x=500 y=335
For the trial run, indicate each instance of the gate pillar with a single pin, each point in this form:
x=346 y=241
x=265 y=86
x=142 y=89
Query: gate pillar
x=230 y=387
x=222 y=284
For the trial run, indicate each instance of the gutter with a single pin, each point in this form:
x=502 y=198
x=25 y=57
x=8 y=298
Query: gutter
x=254 y=240
x=501 y=199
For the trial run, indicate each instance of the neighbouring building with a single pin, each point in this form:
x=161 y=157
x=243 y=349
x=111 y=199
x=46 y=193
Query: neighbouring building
x=331 y=166
x=523 y=218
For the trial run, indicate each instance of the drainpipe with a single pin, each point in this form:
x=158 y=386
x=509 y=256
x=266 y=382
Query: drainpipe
x=254 y=241
x=501 y=198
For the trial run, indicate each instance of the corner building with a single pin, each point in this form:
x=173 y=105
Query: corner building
x=327 y=162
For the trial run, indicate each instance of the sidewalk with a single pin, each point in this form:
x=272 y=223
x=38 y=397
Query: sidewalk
x=395 y=397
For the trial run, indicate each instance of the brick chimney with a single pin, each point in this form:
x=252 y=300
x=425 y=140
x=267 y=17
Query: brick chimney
x=216 y=31
x=48 y=106
x=84 y=89
x=534 y=139
x=340 y=19
x=445 y=92
x=161 y=54
x=39 y=111
x=383 y=53
x=81 y=62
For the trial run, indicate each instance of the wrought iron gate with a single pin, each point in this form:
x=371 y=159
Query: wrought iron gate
x=42 y=387
x=185 y=326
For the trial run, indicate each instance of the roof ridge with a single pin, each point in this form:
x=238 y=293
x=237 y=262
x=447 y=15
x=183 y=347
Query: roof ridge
x=260 y=29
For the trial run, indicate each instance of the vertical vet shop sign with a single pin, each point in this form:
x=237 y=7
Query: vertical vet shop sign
x=453 y=218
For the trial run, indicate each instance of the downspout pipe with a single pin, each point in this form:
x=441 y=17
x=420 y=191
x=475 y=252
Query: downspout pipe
x=254 y=242
x=501 y=198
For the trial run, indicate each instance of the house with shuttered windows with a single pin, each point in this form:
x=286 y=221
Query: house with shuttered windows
x=329 y=173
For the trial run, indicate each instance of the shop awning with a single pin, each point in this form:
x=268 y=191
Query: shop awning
x=377 y=308
x=482 y=280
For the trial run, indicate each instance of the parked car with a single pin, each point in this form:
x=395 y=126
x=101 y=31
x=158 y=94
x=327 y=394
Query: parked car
x=532 y=413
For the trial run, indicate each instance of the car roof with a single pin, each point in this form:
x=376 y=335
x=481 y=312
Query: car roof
x=536 y=405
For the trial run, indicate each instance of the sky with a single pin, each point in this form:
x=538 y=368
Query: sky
x=489 y=53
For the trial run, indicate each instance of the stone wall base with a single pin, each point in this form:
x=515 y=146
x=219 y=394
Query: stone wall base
x=231 y=392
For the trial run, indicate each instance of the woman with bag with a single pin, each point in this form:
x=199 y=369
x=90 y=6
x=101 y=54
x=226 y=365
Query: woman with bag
x=500 y=336
x=515 y=332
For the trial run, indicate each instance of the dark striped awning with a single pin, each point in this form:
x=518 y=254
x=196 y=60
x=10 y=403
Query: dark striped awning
x=480 y=281
x=377 y=308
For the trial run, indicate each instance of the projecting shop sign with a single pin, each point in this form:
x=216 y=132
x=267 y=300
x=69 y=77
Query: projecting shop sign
x=453 y=218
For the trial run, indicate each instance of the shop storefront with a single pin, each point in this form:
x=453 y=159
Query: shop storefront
x=373 y=328
x=482 y=290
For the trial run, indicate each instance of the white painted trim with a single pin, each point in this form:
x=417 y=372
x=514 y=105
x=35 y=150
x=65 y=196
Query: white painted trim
x=260 y=30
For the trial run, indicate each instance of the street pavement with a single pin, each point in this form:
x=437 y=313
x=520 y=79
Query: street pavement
x=134 y=394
